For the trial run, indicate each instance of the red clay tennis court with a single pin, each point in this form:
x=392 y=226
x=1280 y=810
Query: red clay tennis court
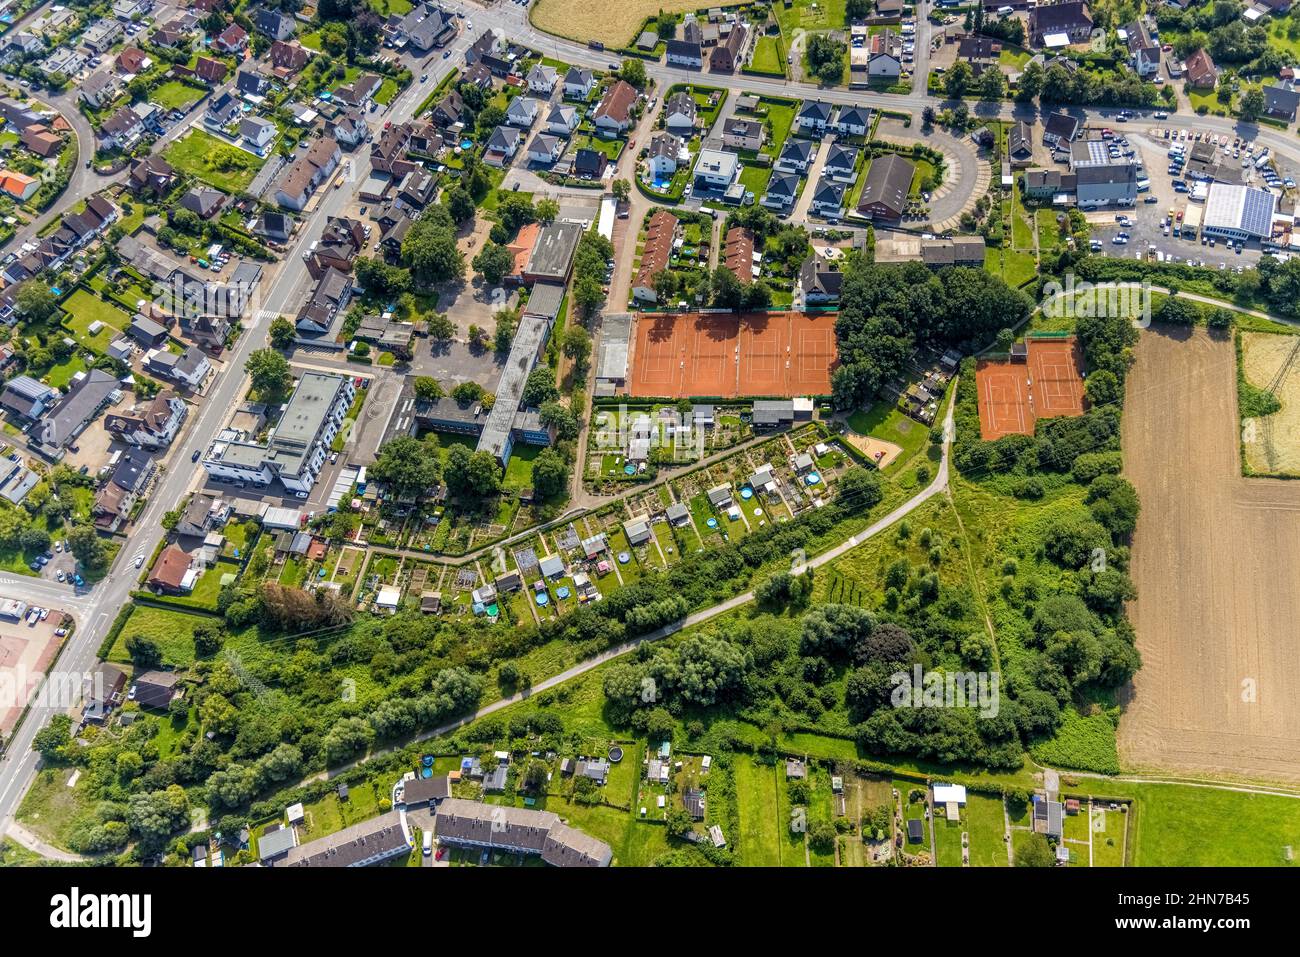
x=688 y=354
x=1014 y=394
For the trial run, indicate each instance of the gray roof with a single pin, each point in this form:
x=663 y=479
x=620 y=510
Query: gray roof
x=274 y=843
x=553 y=252
x=381 y=837
x=77 y=408
x=529 y=337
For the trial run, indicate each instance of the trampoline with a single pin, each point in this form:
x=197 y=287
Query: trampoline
x=542 y=598
x=493 y=610
x=746 y=493
x=427 y=760
x=812 y=478
x=624 y=558
x=615 y=754
x=561 y=592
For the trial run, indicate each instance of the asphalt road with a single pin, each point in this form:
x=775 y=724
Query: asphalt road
x=279 y=292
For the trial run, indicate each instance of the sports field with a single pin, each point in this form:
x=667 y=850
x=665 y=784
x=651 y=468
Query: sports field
x=1214 y=559
x=1014 y=394
x=725 y=355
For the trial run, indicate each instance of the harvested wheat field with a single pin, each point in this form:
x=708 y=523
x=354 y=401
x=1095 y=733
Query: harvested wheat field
x=1272 y=443
x=1215 y=560
x=613 y=24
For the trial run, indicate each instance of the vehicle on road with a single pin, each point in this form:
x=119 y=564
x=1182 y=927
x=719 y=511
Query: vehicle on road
x=139 y=561
x=195 y=456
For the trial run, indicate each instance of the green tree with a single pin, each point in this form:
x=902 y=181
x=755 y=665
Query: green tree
x=493 y=262
x=427 y=387
x=550 y=474
x=282 y=332
x=407 y=466
x=269 y=373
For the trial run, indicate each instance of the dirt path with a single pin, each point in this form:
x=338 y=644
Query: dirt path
x=1215 y=624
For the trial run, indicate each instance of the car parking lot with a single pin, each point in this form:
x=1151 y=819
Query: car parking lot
x=1155 y=226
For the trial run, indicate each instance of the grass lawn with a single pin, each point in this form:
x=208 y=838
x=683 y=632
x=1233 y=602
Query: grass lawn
x=754 y=178
x=84 y=308
x=1200 y=827
x=884 y=421
x=172 y=630
x=213 y=161
x=51 y=807
x=982 y=818
x=1014 y=267
x=810 y=15
x=519 y=473
x=780 y=117
x=175 y=95
x=611 y=148
x=61 y=373
x=759 y=839
x=769 y=56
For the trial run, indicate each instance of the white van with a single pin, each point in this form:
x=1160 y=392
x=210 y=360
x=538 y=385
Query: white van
x=428 y=843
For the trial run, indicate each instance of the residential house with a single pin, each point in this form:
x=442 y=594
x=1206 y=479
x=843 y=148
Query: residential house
x=1143 y=52
x=100 y=89
x=662 y=155
x=121 y=131
x=562 y=121
x=795 y=157
x=965 y=251
x=853 y=121
x=614 y=113
x=1281 y=101
x=589 y=164
x=287 y=58
x=716 y=169
x=1020 y=144
x=578 y=83
x=502 y=146
x=657 y=248
x=252 y=84
x=679 y=114
x=545 y=149
x=157 y=689
x=328 y=299
x=132 y=61
x=210 y=70
x=541 y=79
x=781 y=190
x=188 y=369
x=152 y=175
x=885 y=55
x=1202 y=74
x=203 y=201
x=116 y=498
x=257 y=133
x=449 y=110
x=1060 y=129
x=819 y=281
x=233 y=39
x=273 y=24
x=813 y=116
x=841 y=163
x=150 y=423
x=684 y=53
x=522 y=112
x=1059 y=24
x=727 y=56
x=203 y=514
x=307 y=173
x=827 y=198
x=223 y=110
x=737 y=253
x=743 y=134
